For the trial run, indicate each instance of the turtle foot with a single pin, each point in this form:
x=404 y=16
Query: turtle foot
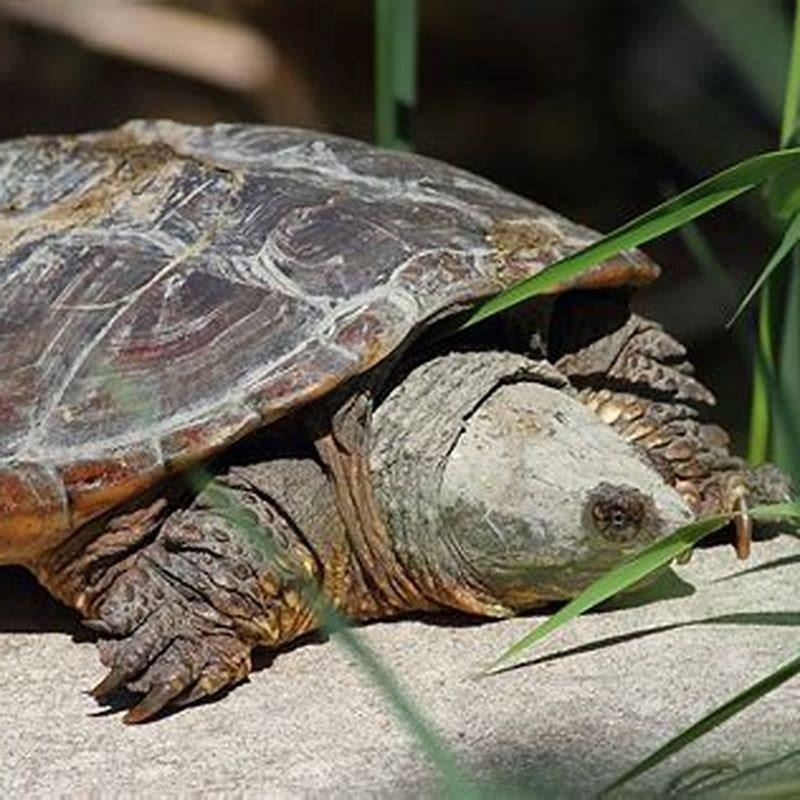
x=179 y=619
x=181 y=596
x=180 y=615
x=175 y=657
x=187 y=670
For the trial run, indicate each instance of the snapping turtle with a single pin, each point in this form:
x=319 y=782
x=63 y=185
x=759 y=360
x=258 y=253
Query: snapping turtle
x=198 y=320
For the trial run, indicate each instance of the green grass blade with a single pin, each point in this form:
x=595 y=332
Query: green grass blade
x=655 y=556
x=792 y=92
x=777 y=512
x=457 y=785
x=757 y=47
x=782 y=252
x=395 y=71
x=705 y=257
x=733 y=706
x=786 y=442
x=775 y=392
x=670 y=215
x=629 y=572
x=769 y=392
x=454 y=781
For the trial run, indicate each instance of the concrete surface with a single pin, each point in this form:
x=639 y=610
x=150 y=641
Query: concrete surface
x=599 y=695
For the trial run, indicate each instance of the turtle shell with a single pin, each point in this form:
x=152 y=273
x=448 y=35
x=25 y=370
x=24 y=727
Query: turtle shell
x=165 y=289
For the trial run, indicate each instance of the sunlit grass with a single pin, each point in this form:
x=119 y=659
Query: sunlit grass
x=648 y=561
x=395 y=71
x=710 y=721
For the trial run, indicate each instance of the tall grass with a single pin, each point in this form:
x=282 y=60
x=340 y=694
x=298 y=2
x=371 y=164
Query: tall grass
x=776 y=388
x=395 y=71
x=768 y=434
x=776 y=382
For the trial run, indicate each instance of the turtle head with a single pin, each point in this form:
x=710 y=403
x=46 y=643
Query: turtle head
x=539 y=498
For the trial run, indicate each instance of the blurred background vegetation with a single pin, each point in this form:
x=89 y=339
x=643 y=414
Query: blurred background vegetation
x=598 y=109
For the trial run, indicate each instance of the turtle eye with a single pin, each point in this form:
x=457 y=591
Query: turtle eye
x=618 y=513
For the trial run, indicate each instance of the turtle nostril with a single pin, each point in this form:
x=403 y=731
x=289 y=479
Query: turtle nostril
x=618 y=519
x=619 y=513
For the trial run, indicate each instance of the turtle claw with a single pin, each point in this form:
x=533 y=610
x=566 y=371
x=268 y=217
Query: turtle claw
x=174 y=668
x=744 y=528
x=114 y=680
x=179 y=617
x=734 y=494
x=158 y=698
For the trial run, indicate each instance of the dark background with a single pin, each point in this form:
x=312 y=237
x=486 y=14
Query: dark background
x=598 y=108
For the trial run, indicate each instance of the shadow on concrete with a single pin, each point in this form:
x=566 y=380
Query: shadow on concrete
x=776 y=563
x=667 y=585
x=714 y=783
x=25 y=607
x=780 y=618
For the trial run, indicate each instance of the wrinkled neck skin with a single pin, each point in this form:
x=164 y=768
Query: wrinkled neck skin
x=497 y=490
x=502 y=490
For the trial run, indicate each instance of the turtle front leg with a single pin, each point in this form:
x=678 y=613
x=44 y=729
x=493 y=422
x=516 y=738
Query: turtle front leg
x=637 y=378
x=182 y=598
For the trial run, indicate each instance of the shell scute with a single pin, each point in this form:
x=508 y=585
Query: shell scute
x=96 y=484
x=33 y=508
x=184 y=446
x=313 y=370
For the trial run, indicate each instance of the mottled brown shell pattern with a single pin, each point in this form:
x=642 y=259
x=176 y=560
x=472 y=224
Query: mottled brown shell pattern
x=165 y=289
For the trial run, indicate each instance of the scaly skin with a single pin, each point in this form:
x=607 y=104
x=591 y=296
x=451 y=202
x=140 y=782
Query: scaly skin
x=182 y=596
x=182 y=593
x=637 y=379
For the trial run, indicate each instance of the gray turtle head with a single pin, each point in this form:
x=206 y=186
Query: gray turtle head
x=539 y=497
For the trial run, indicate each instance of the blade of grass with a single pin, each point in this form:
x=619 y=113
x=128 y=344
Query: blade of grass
x=690 y=780
x=768 y=389
x=785 y=390
x=791 y=96
x=668 y=216
x=395 y=71
x=786 y=443
x=704 y=256
x=652 y=558
x=772 y=399
x=733 y=706
x=629 y=572
x=744 y=774
x=456 y=784
x=784 y=249
x=762 y=67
